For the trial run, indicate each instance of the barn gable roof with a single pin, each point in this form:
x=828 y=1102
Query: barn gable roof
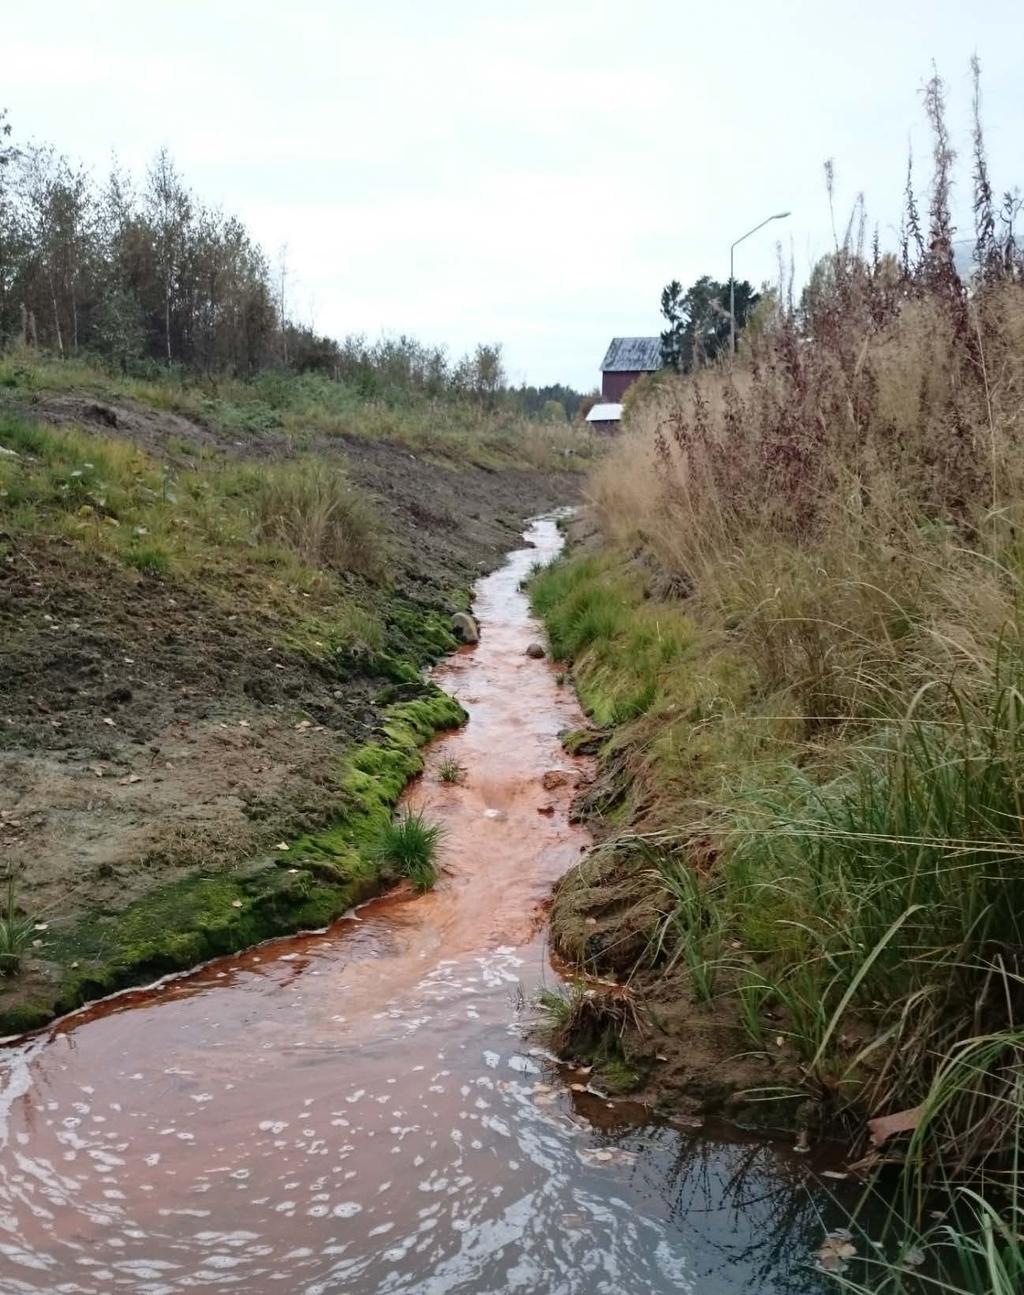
x=632 y=354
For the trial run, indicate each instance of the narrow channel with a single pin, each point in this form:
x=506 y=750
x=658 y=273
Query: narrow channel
x=364 y=1109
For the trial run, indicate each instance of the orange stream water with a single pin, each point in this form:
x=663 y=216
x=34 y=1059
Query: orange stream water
x=360 y=1110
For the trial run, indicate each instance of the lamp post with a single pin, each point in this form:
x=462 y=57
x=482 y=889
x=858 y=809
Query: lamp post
x=779 y=215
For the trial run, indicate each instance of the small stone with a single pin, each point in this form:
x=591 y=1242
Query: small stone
x=545 y=809
x=536 y=651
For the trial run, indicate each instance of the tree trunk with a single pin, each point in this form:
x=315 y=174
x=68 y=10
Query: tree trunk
x=56 y=315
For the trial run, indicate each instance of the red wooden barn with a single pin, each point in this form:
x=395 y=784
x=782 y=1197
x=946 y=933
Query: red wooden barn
x=627 y=359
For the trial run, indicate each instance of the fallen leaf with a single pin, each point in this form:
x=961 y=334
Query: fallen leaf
x=884 y=1126
x=282 y=845
x=835 y=1251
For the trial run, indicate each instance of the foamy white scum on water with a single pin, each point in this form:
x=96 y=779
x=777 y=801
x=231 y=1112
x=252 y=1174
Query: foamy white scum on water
x=361 y=1110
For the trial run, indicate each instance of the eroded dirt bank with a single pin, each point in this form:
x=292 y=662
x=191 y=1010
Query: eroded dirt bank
x=157 y=742
x=359 y=1110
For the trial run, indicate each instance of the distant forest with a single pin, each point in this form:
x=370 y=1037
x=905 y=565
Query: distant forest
x=144 y=276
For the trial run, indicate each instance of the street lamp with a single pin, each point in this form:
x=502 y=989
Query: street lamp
x=779 y=215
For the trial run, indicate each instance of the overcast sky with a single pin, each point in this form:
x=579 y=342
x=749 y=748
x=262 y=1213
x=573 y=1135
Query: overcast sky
x=530 y=173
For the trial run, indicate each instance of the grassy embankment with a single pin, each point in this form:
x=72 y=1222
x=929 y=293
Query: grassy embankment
x=304 y=410
x=800 y=623
x=295 y=561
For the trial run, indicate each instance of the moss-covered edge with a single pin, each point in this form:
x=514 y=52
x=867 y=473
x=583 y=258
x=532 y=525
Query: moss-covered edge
x=204 y=916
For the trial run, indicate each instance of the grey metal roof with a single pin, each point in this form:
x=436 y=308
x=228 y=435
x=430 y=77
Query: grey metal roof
x=610 y=413
x=629 y=354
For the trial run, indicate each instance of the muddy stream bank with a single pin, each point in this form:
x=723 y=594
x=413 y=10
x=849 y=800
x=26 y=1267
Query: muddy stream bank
x=361 y=1110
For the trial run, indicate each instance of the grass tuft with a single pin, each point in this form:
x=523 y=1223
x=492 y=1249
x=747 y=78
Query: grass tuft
x=409 y=847
x=16 y=932
x=450 y=771
x=312 y=508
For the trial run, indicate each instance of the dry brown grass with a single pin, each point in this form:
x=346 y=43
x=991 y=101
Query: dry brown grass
x=849 y=509
x=837 y=522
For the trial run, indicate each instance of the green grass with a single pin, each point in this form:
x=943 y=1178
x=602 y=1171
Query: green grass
x=450 y=771
x=409 y=846
x=149 y=558
x=312 y=508
x=306 y=407
x=284 y=540
x=15 y=933
x=976 y=1249
x=891 y=893
x=867 y=891
x=625 y=651
x=556 y=1005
